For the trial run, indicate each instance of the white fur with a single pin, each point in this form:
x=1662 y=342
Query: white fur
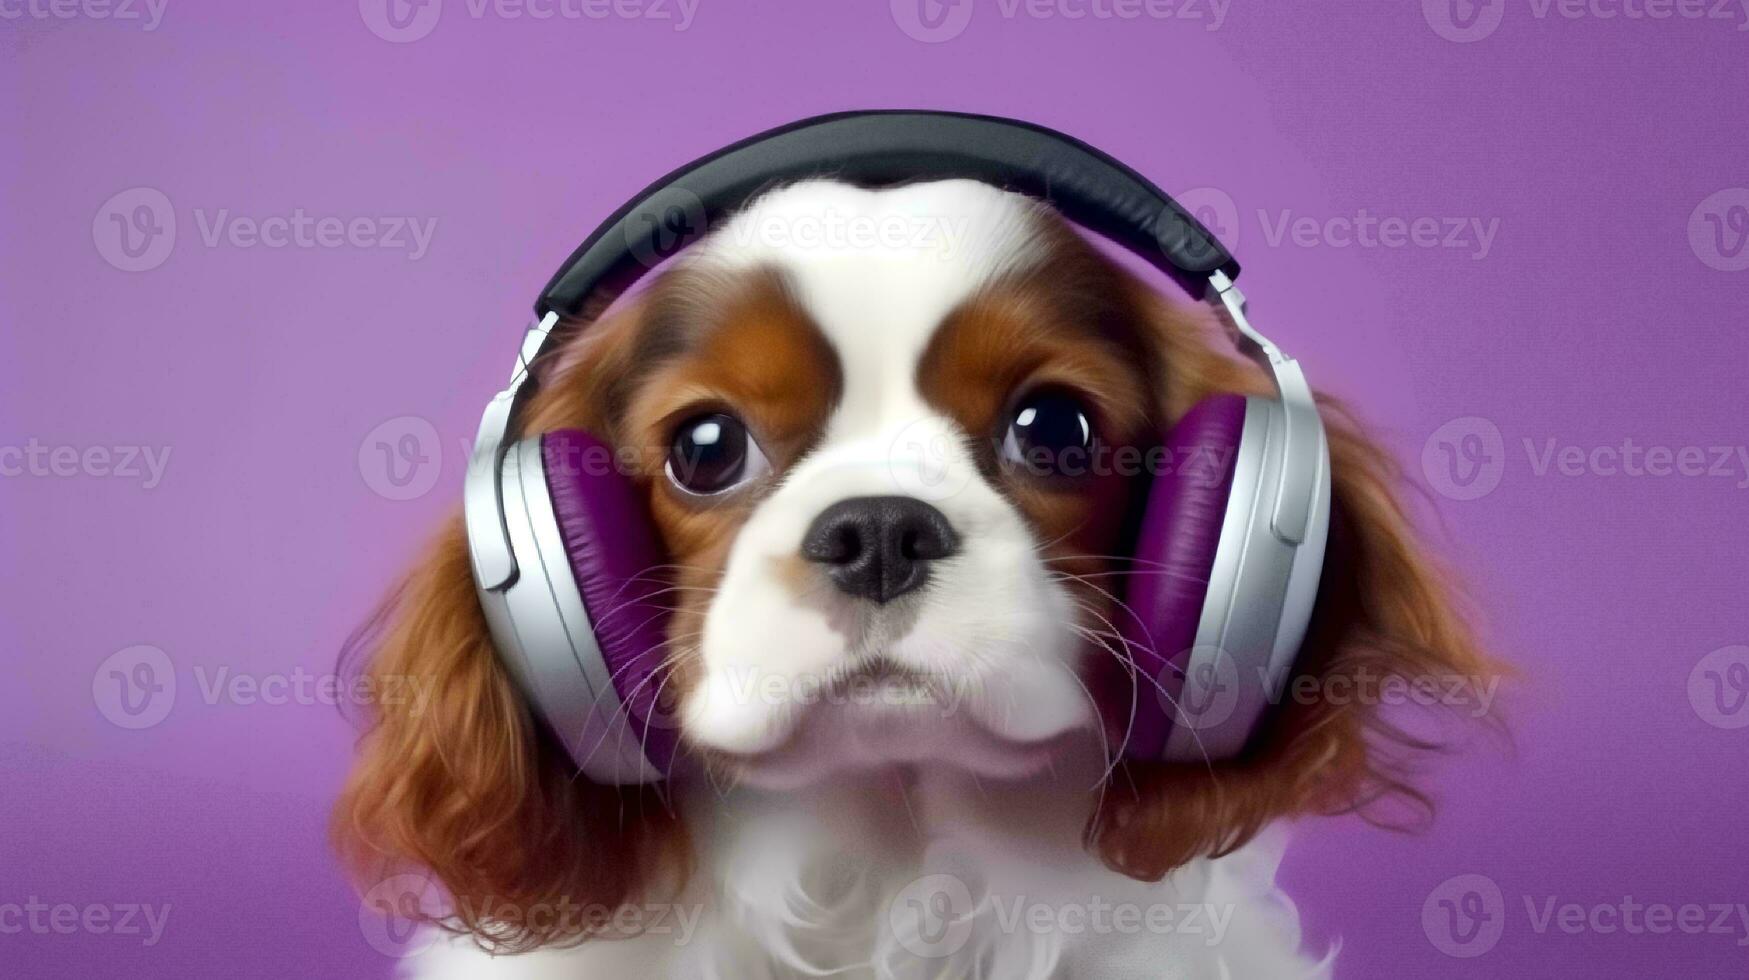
x=870 y=833
x=838 y=880
x=991 y=626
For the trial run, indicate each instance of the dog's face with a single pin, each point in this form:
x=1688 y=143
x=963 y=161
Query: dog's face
x=883 y=462
x=883 y=437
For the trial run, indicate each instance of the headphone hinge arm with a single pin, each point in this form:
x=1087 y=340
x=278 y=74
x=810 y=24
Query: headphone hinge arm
x=1302 y=433
x=534 y=340
x=1229 y=305
x=488 y=538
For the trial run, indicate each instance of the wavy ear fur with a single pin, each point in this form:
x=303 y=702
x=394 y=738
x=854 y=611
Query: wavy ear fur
x=1386 y=614
x=468 y=784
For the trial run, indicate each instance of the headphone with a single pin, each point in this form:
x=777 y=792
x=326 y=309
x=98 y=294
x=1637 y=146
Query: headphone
x=1227 y=558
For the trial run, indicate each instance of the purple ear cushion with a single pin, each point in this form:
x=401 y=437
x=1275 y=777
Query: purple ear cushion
x=1175 y=550
x=614 y=557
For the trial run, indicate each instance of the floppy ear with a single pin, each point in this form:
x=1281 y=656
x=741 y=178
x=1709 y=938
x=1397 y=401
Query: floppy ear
x=464 y=781
x=1387 y=618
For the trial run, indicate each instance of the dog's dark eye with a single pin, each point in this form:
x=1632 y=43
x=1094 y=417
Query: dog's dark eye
x=713 y=453
x=1049 y=434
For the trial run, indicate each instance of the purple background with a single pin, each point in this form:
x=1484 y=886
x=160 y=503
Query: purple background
x=1592 y=319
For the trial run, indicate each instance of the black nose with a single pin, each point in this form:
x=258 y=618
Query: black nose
x=879 y=548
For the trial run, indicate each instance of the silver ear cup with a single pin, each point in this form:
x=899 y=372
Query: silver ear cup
x=1260 y=595
x=544 y=636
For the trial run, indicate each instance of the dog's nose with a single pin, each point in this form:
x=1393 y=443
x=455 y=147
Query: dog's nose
x=879 y=548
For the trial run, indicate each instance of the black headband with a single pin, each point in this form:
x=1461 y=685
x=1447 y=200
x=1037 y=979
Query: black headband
x=882 y=148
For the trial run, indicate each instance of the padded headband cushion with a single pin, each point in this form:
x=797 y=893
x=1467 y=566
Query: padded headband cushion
x=883 y=148
x=1175 y=551
x=613 y=551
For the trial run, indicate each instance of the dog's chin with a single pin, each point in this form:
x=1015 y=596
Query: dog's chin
x=892 y=719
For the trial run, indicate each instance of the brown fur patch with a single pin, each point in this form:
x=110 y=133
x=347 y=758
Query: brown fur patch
x=1385 y=608
x=476 y=790
x=756 y=354
x=1067 y=323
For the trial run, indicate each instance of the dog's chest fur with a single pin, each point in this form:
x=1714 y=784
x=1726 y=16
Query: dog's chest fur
x=900 y=877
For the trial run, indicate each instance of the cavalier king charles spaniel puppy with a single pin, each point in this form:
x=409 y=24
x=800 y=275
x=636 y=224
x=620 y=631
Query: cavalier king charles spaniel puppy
x=902 y=773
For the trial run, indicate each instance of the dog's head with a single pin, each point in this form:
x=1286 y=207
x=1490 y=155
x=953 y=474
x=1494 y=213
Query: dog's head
x=882 y=465
x=895 y=444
